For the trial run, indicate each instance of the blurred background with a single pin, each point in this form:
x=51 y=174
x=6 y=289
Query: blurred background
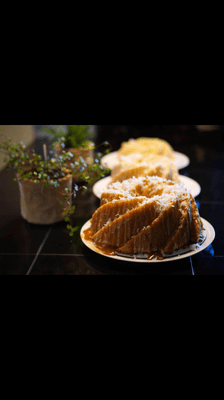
x=203 y=144
x=200 y=140
x=183 y=138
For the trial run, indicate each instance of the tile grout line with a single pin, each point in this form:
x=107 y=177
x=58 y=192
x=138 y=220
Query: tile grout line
x=192 y=269
x=46 y=254
x=38 y=252
x=62 y=255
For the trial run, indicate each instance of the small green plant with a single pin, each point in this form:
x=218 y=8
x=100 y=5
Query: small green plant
x=76 y=136
x=31 y=166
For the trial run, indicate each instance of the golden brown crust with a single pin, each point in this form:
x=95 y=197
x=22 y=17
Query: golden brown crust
x=146 y=215
x=144 y=165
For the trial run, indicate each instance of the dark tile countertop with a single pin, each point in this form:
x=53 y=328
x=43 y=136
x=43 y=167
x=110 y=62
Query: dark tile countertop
x=27 y=249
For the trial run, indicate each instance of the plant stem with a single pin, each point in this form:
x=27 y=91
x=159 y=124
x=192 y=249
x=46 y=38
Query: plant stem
x=45 y=151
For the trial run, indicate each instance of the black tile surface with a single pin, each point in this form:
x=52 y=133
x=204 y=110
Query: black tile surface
x=18 y=236
x=208 y=265
x=62 y=265
x=108 y=266
x=59 y=242
x=18 y=264
x=27 y=249
x=211 y=182
x=213 y=213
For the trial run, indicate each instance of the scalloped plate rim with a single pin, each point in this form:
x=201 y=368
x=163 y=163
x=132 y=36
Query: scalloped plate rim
x=210 y=236
x=181 y=160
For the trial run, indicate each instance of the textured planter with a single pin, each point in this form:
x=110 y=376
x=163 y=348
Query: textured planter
x=40 y=205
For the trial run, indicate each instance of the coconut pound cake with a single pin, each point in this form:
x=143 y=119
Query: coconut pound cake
x=137 y=164
x=146 y=146
x=145 y=215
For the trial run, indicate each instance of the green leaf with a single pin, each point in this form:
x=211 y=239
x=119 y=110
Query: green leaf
x=72 y=210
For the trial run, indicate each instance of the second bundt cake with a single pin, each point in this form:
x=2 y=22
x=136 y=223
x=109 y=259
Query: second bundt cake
x=144 y=165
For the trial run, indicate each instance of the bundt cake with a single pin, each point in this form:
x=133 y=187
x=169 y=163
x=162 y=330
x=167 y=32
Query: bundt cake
x=146 y=146
x=137 y=164
x=145 y=215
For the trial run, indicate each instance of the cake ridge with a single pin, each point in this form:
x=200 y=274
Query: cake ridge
x=148 y=240
x=112 y=210
x=128 y=224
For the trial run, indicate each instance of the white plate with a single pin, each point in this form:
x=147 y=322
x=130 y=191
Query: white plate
x=193 y=186
x=181 y=160
x=209 y=236
x=111 y=159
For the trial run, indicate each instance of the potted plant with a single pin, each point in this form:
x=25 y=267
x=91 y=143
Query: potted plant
x=46 y=185
x=74 y=139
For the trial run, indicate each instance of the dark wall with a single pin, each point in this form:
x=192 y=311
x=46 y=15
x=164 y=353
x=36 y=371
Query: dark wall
x=179 y=136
